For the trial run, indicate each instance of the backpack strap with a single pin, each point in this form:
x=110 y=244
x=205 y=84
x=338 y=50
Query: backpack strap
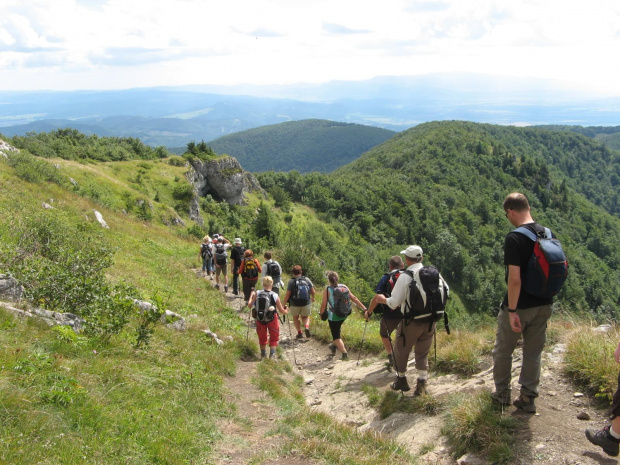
x=533 y=236
x=526 y=232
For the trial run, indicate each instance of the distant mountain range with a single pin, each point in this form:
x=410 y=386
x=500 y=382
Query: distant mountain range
x=307 y=145
x=175 y=116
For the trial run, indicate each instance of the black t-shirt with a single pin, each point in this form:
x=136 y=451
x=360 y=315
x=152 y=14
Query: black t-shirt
x=517 y=251
x=236 y=255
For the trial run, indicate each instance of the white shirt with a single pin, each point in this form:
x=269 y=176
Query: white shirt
x=400 y=293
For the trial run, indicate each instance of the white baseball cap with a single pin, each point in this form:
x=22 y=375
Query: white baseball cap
x=413 y=251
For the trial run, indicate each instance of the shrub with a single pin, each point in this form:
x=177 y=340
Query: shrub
x=61 y=265
x=33 y=169
x=177 y=161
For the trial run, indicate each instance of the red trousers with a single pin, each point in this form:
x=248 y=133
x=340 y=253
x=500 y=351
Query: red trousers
x=273 y=328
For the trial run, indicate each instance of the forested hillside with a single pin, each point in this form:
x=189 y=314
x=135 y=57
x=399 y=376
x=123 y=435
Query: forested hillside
x=72 y=144
x=607 y=135
x=442 y=184
x=308 y=145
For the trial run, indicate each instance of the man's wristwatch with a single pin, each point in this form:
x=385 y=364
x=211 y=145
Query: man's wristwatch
x=512 y=310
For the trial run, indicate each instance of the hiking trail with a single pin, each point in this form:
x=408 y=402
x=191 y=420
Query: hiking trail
x=554 y=435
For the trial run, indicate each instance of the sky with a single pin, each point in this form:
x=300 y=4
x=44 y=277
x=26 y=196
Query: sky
x=120 y=44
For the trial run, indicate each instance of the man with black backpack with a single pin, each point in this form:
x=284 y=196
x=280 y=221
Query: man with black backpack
x=300 y=292
x=422 y=301
x=525 y=310
x=390 y=319
x=272 y=268
x=236 y=255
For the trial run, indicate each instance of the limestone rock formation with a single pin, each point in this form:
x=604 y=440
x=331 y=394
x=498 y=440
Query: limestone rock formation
x=223 y=179
x=5 y=149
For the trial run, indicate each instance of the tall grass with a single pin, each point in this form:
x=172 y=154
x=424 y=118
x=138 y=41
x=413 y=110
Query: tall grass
x=473 y=424
x=590 y=361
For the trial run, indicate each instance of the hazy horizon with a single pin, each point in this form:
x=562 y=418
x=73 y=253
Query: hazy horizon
x=114 y=44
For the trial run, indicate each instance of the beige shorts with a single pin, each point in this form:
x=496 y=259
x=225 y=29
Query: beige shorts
x=300 y=311
x=221 y=269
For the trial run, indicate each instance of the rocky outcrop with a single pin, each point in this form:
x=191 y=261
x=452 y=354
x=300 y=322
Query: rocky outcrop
x=223 y=179
x=10 y=289
x=170 y=319
x=5 y=149
x=49 y=317
x=100 y=219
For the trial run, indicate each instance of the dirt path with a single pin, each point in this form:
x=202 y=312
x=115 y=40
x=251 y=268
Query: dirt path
x=555 y=435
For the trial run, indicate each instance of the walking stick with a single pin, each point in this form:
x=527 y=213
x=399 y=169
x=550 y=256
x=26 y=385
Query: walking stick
x=292 y=341
x=362 y=346
x=247 y=336
x=391 y=346
x=249 y=320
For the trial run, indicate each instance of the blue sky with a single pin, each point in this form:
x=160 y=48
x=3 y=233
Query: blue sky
x=117 y=44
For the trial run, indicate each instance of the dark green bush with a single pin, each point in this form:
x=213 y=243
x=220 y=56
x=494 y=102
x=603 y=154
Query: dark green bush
x=61 y=265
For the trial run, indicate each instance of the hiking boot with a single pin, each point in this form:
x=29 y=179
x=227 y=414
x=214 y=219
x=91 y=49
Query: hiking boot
x=420 y=388
x=299 y=336
x=502 y=401
x=217 y=286
x=345 y=357
x=400 y=384
x=308 y=332
x=272 y=355
x=391 y=360
x=604 y=439
x=263 y=355
x=225 y=288
x=525 y=403
x=332 y=349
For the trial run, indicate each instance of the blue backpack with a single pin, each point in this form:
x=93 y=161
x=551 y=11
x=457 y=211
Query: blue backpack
x=547 y=268
x=302 y=290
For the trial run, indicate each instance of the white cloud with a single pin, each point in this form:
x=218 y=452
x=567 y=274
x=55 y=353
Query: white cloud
x=94 y=43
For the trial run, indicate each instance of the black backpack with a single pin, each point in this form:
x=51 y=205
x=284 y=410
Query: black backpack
x=273 y=270
x=265 y=307
x=342 y=301
x=428 y=295
x=387 y=289
x=205 y=251
x=220 y=255
x=237 y=254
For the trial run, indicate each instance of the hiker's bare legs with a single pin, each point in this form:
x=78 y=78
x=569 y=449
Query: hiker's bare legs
x=298 y=323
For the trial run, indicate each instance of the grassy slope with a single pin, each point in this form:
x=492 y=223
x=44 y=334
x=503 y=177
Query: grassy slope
x=67 y=399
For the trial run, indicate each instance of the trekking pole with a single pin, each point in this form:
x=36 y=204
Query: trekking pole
x=247 y=336
x=292 y=341
x=391 y=347
x=362 y=346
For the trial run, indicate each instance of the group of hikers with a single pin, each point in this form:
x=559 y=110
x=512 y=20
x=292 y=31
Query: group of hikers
x=411 y=299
